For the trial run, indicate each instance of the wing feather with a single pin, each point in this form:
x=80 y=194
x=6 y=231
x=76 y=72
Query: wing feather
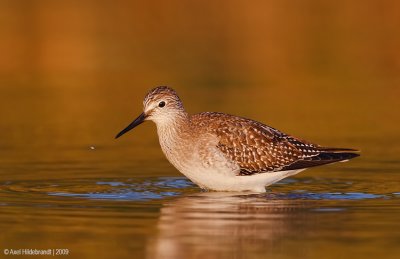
x=258 y=148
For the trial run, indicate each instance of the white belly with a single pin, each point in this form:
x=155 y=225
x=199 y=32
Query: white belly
x=212 y=180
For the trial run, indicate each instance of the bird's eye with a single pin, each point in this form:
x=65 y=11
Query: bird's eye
x=161 y=104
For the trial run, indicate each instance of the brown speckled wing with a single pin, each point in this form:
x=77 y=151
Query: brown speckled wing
x=255 y=147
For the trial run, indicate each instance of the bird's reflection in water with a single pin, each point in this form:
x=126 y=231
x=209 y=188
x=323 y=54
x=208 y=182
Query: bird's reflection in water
x=216 y=224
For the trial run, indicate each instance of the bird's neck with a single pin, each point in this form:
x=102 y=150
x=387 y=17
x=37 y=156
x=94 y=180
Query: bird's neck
x=171 y=135
x=170 y=130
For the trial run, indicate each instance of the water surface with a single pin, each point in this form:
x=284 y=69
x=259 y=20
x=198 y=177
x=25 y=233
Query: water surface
x=146 y=209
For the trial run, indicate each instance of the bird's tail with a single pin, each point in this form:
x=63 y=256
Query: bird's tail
x=336 y=154
x=327 y=155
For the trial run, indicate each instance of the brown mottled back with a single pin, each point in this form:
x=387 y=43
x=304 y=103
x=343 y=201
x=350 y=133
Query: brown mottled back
x=255 y=147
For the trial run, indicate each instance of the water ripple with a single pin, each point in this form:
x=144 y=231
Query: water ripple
x=156 y=188
x=147 y=189
x=129 y=195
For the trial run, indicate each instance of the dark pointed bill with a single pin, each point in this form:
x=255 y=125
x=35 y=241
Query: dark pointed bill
x=136 y=122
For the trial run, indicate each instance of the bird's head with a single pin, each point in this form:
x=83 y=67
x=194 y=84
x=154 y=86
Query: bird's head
x=161 y=105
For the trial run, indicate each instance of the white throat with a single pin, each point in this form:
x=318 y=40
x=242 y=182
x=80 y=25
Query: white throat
x=171 y=133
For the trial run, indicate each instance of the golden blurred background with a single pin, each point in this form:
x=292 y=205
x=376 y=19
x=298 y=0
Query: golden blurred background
x=76 y=71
